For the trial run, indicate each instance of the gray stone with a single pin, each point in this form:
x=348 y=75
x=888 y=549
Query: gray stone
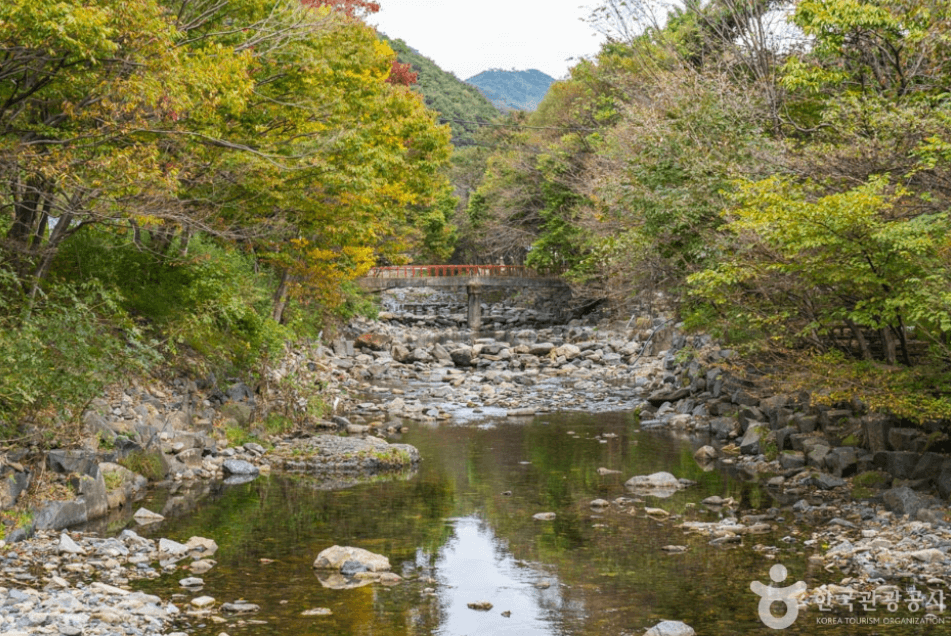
x=663 y=395
x=351 y=567
x=907 y=439
x=831 y=417
x=825 y=481
x=705 y=453
x=168 y=548
x=239 y=392
x=750 y=444
x=744 y=398
x=816 y=454
x=842 y=461
x=57 y=515
x=670 y=628
x=749 y=415
x=540 y=348
x=790 y=460
x=68 y=546
x=805 y=423
x=254 y=448
x=340 y=348
x=191 y=581
x=73 y=461
x=782 y=437
x=12 y=484
x=929 y=466
x=239 y=467
x=723 y=427
x=904 y=501
x=655 y=480
x=401 y=353
x=462 y=357
x=900 y=464
x=144 y=516
x=240 y=607
x=190 y=457
x=876 y=427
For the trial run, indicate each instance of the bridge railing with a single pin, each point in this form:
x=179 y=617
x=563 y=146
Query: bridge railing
x=419 y=271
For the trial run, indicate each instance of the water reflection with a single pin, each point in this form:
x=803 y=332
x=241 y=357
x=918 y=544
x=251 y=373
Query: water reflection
x=476 y=566
x=461 y=530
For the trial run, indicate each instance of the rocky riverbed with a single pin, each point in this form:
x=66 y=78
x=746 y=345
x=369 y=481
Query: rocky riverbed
x=866 y=496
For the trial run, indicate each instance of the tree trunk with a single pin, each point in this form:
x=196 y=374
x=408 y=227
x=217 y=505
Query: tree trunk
x=26 y=203
x=59 y=233
x=860 y=337
x=185 y=240
x=888 y=344
x=903 y=339
x=280 y=297
x=40 y=235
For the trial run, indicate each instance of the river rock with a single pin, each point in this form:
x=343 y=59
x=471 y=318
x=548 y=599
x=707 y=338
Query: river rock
x=144 y=516
x=68 y=546
x=240 y=607
x=317 y=611
x=659 y=480
x=240 y=467
x=825 y=481
x=755 y=432
x=202 y=602
x=904 y=501
x=482 y=606
x=334 y=558
x=373 y=341
x=544 y=516
x=670 y=628
x=705 y=454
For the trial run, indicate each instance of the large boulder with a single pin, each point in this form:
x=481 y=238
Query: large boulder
x=905 y=501
x=660 y=484
x=755 y=432
x=335 y=557
x=670 y=628
x=373 y=341
x=462 y=357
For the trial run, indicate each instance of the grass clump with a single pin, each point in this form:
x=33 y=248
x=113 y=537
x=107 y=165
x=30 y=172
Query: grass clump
x=145 y=463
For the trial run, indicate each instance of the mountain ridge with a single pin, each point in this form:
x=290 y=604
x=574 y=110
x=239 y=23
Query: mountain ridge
x=461 y=105
x=512 y=89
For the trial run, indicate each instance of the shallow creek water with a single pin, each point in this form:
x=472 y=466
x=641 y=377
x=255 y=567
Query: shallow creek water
x=457 y=536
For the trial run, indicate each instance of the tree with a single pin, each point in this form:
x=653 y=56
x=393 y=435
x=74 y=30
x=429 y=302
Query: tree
x=837 y=259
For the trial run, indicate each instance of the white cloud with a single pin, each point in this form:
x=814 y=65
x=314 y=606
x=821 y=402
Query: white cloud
x=470 y=37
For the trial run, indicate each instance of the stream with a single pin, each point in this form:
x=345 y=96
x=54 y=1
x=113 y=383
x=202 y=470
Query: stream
x=460 y=529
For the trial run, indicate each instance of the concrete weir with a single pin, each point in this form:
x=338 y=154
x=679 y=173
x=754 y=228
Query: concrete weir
x=473 y=278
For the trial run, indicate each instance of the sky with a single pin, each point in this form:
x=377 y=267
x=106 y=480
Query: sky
x=468 y=37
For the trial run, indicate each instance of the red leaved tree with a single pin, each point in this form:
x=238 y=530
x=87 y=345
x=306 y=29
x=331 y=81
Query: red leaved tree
x=402 y=74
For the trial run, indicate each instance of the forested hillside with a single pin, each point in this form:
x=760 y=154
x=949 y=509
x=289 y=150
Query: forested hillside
x=513 y=90
x=198 y=182
x=786 y=185
x=458 y=102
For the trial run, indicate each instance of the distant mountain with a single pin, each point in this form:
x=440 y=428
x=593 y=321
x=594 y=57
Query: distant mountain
x=446 y=94
x=508 y=90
